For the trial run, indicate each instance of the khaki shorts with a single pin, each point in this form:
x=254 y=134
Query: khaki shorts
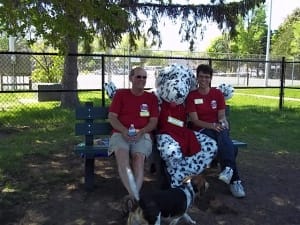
x=143 y=145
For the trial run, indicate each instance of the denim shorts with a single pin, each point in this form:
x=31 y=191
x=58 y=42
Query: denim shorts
x=143 y=145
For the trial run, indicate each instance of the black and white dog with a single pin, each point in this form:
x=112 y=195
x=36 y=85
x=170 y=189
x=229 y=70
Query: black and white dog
x=172 y=203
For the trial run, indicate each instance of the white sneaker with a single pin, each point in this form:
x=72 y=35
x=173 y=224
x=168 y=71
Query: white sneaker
x=226 y=175
x=237 y=189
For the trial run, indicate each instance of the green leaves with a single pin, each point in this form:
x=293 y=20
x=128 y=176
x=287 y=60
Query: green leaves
x=64 y=24
x=286 y=40
x=250 y=37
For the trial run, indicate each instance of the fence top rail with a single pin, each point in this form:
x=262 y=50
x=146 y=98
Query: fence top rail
x=92 y=90
x=283 y=59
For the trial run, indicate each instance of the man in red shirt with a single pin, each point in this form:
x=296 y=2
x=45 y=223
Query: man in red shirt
x=140 y=108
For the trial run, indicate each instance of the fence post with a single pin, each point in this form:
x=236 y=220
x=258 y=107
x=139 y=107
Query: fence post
x=103 y=79
x=282 y=79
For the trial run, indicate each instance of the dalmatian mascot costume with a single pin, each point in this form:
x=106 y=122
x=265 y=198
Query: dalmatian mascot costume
x=184 y=151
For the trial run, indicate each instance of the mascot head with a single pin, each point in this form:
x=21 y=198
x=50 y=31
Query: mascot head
x=174 y=83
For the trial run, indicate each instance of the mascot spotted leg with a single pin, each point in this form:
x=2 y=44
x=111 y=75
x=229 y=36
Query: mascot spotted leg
x=180 y=166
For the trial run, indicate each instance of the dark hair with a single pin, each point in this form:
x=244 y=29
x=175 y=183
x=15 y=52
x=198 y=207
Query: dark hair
x=204 y=68
x=132 y=71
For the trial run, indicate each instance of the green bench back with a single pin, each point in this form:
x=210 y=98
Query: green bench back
x=94 y=122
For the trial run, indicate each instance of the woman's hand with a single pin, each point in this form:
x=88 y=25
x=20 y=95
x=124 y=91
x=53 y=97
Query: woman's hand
x=218 y=126
x=224 y=123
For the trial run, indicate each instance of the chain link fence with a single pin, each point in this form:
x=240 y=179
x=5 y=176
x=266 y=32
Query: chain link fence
x=30 y=80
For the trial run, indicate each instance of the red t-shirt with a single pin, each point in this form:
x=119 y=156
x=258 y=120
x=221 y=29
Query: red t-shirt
x=206 y=106
x=176 y=111
x=132 y=109
x=172 y=121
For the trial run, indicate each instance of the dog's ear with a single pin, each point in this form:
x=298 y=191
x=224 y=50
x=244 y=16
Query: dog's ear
x=136 y=218
x=199 y=184
x=203 y=188
x=187 y=179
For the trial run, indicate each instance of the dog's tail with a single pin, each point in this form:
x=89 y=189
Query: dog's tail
x=132 y=184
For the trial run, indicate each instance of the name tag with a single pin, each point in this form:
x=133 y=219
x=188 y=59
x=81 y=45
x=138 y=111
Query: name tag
x=175 y=121
x=144 y=113
x=198 y=101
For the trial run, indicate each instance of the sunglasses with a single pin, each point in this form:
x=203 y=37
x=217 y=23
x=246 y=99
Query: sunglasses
x=141 y=77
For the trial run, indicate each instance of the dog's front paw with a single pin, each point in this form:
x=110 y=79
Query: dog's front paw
x=189 y=219
x=192 y=222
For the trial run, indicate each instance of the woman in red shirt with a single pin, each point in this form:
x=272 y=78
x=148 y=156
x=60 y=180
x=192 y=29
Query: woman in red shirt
x=206 y=108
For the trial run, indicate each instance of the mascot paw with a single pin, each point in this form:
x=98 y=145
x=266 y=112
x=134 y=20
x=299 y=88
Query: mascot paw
x=227 y=90
x=110 y=89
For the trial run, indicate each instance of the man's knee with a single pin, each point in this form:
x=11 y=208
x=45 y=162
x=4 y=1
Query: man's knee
x=138 y=157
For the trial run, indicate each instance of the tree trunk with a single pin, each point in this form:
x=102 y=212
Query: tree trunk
x=69 y=97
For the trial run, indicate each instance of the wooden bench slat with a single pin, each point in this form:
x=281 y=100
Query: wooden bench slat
x=88 y=112
x=91 y=151
x=90 y=128
x=239 y=143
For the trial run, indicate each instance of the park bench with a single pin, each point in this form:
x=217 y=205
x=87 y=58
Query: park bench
x=92 y=121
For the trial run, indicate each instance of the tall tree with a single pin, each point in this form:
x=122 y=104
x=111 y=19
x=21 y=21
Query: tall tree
x=64 y=23
x=3 y=43
x=220 y=48
x=47 y=68
x=251 y=35
x=250 y=38
x=286 y=40
x=20 y=43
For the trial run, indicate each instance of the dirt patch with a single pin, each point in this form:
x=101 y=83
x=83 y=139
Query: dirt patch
x=53 y=193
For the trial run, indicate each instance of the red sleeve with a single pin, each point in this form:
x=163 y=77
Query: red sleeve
x=116 y=103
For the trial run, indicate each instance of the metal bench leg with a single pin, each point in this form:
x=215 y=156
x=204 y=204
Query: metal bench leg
x=89 y=174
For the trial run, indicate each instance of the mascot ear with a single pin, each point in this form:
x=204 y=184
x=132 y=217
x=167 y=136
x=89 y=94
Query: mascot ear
x=227 y=90
x=110 y=89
